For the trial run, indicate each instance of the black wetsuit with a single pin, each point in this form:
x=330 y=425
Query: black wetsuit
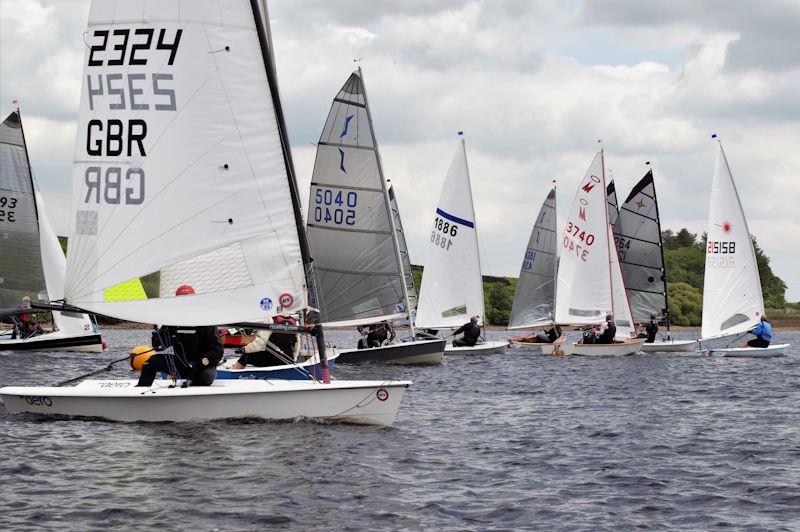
x=608 y=335
x=472 y=332
x=197 y=351
x=285 y=342
x=652 y=329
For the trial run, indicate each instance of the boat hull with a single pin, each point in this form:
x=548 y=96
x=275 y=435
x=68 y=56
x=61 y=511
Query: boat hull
x=775 y=350
x=628 y=347
x=484 y=348
x=422 y=352
x=310 y=369
x=670 y=346
x=55 y=341
x=359 y=402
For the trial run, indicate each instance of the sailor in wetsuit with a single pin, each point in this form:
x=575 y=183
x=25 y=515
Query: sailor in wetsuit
x=271 y=348
x=650 y=330
x=603 y=334
x=196 y=352
x=763 y=332
x=472 y=332
x=549 y=336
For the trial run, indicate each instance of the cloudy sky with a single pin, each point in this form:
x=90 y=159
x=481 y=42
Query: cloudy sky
x=533 y=84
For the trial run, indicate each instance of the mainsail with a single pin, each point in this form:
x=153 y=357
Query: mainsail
x=452 y=287
x=535 y=295
x=613 y=204
x=584 y=275
x=619 y=300
x=638 y=237
x=732 y=298
x=411 y=289
x=350 y=227
x=21 y=271
x=182 y=165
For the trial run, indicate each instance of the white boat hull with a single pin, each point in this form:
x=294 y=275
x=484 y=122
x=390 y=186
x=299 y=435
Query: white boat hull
x=775 y=350
x=359 y=402
x=670 y=346
x=628 y=347
x=54 y=341
x=483 y=348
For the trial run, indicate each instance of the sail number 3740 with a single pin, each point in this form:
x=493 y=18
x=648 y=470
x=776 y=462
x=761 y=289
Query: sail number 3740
x=572 y=235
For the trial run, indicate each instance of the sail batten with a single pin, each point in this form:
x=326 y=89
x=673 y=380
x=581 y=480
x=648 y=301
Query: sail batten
x=534 y=298
x=349 y=220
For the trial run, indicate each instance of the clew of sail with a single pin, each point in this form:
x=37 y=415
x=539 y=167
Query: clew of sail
x=535 y=295
x=583 y=292
x=349 y=226
x=452 y=287
x=732 y=298
x=638 y=237
x=181 y=167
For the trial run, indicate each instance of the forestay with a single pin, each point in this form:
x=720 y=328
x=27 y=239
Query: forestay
x=181 y=167
x=583 y=292
x=452 y=287
x=21 y=271
x=613 y=204
x=638 y=237
x=405 y=257
x=619 y=300
x=349 y=226
x=536 y=287
x=732 y=298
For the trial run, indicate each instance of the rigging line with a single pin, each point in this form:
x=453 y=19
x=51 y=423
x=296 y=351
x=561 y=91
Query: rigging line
x=341 y=145
x=140 y=212
x=363 y=231
x=163 y=234
x=624 y=208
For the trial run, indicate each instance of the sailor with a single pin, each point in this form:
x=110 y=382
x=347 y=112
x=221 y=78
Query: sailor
x=27 y=323
x=472 y=332
x=271 y=348
x=606 y=332
x=763 y=332
x=196 y=352
x=650 y=330
x=549 y=336
x=378 y=333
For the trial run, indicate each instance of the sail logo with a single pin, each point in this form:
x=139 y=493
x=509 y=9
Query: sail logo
x=589 y=185
x=341 y=161
x=266 y=304
x=346 y=125
x=726 y=226
x=582 y=209
x=640 y=204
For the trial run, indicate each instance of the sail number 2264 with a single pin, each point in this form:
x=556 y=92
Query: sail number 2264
x=578 y=241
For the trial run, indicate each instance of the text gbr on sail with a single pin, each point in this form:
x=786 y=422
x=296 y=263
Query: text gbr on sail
x=129 y=94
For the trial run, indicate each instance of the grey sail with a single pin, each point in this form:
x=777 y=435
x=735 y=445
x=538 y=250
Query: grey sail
x=359 y=274
x=535 y=295
x=404 y=256
x=638 y=237
x=613 y=204
x=21 y=271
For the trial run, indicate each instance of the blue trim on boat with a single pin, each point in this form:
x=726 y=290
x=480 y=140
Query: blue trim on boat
x=455 y=219
x=289 y=373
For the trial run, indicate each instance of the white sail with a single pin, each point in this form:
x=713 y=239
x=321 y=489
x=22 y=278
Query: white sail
x=405 y=257
x=583 y=293
x=613 y=204
x=619 y=299
x=181 y=166
x=350 y=230
x=534 y=298
x=452 y=287
x=732 y=298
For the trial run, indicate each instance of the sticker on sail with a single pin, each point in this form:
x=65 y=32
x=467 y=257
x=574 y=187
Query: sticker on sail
x=266 y=304
x=286 y=300
x=382 y=394
x=400 y=307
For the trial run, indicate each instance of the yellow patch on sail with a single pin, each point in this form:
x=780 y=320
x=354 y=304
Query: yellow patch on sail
x=128 y=291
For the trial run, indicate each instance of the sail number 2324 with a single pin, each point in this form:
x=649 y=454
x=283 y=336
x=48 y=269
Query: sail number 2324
x=442 y=231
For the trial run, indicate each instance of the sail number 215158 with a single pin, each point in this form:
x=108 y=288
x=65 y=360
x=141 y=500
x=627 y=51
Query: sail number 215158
x=578 y=241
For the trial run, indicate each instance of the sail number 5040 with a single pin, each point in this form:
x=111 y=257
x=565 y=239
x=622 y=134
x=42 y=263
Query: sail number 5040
x=332 y=206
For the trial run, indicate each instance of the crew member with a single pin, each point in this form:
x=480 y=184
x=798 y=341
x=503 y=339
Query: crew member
x=605 y=334
x=763 y=332
x=472 y=332
x=549 y=336
x=379 y=333
x=650 y=330
x=196 y=352
x=27 y=324
x=264 y=350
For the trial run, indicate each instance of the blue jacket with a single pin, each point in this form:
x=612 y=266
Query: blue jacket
x=763 y=330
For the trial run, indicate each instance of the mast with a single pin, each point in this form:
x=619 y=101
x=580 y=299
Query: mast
x=608 y=243
x=387 y=202
x=265 y=40
x=661 y=247
x=477 y=246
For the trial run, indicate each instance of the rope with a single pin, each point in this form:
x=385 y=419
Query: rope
x=95 y=372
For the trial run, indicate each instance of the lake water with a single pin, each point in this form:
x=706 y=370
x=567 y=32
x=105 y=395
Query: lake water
x=497 y=442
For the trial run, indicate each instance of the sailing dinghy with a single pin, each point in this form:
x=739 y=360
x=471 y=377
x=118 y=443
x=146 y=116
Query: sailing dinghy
x=534 y=299
x=637 y=235
x=590 y=281
x=732 y=300
x=355 y=234
x=31 y=259
x=452 y=285
x=201 y=191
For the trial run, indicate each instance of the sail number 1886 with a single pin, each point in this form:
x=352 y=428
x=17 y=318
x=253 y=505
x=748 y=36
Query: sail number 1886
x=442 y=230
